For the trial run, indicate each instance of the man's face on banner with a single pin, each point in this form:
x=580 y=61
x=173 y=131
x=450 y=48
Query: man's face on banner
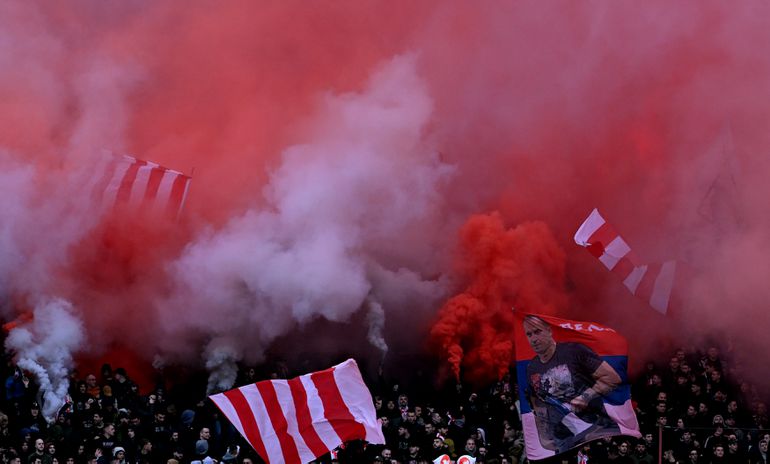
x=538 y=335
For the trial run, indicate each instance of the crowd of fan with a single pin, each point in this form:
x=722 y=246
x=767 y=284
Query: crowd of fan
x=693 y=410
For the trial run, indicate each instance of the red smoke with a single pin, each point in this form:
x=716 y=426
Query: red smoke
x=312 y=133
x=521 y=267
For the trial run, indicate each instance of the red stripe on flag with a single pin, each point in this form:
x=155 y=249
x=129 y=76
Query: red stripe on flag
x=335 y=409
x=127 y=183
x=644 y=290
x=281 y=427
x=177 y=194
x=603 y=235
x=304 y=419
x=248 y=422
x=623 y=268
x=156 y=175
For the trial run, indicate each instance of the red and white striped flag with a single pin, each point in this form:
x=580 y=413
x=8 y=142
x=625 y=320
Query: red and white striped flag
x=144 y=185
x=650 y=282
x=298 y=420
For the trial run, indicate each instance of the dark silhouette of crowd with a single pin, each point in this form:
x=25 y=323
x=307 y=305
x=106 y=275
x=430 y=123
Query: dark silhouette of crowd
x=693 y=408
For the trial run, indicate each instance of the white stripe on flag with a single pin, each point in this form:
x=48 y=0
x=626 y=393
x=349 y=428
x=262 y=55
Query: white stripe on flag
x=358 y=400
x=614 y=252
x=322 y=427
x=634 y=278
x=588 y=228
x=111 y=191
x=285 y=400
x=227 y=408
x=164 y=192
x=661 y=291
x=266 y=430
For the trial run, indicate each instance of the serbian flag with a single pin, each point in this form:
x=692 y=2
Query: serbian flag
x=573 y=384
x=298 y=420
x=142 y=185
x=651 y=282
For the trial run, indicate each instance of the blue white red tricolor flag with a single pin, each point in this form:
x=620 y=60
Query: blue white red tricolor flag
x=298 y=420
x=548 y=386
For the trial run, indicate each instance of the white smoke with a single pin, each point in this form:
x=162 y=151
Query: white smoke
x=375 y=317
x=45 y=346
x=352 y=201
x=221 y=358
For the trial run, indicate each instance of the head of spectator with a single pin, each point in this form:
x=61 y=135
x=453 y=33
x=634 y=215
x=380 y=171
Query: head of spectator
x=693 y=457
x=204 y=434
x=403 y=401
x=623 y=448
x=438 y=443
x=695 y=389
x=390 y=406
x=120 y=375
x=119 y=453
x=673 y=364
x=414 y=450
x=470 y=447
x=108 y=430
x=39 y=446
x=201 y=447
x=386 y=454
x=703 y=409
x=680 y=424
x=719 y=452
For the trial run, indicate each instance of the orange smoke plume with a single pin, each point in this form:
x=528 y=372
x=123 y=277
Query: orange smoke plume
x=520 y=267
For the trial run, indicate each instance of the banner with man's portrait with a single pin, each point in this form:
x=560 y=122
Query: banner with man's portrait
x=573 y=383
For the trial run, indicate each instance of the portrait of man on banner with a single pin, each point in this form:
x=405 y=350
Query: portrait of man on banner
x=569 y=393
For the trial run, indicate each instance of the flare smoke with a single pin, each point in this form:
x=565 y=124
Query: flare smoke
x=340 y=152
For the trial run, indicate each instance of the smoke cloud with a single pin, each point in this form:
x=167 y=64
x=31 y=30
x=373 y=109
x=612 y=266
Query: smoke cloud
x=349 y=157
x=44 y=347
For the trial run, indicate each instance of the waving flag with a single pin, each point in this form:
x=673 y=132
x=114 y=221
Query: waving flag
x=573 y=385
x=443 y=459
x=298 y=420
x=650 y=282
x=142 y=185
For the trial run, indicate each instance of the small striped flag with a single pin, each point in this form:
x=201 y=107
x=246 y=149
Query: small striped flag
x=650 y=282
x=296 y=421
x=142 y=185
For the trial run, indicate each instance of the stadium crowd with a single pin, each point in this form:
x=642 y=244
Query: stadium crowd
x=692 y=408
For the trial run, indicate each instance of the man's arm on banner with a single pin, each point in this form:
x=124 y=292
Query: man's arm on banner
x=606 y=380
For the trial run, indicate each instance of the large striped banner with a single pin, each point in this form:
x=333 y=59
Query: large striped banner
x=142 y=185
x=298 y=420
x=650 y=282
